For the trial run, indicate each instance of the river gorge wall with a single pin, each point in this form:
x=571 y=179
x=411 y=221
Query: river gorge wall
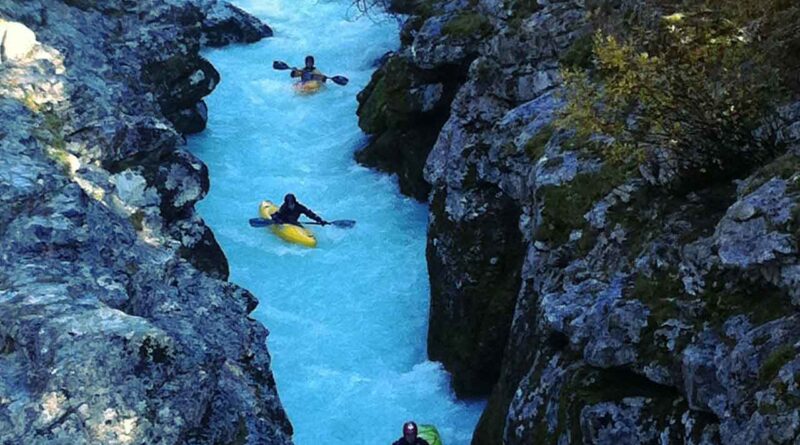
x=592 y=305
x=117 y=324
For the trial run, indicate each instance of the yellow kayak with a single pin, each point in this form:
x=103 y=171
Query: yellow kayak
x=309 y=87
x=288 y=232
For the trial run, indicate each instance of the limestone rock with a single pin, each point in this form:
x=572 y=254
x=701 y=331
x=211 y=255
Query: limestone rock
x=116 y=324
x=16 y=41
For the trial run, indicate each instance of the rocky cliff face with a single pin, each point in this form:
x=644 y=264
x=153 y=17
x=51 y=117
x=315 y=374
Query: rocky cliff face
x=116 y=324
x=602 y=307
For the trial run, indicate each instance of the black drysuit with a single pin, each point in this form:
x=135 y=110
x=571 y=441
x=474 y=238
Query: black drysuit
x=418 y=441
x=286 y=215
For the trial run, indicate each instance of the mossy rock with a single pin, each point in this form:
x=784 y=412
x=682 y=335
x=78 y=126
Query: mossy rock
x=729 y=295
x=466 y=25
x=51 y=135
x=520 y=10
x=408 y=162
x=642 y=217
x=428 y=8
x=726 y=296
x=474 y=265
x=662 y=293
x=783 y=167
x=536 y=145
x=659 y=293
x=386 y=101
x=589 y=386
x=566 y=204
x=777 y=358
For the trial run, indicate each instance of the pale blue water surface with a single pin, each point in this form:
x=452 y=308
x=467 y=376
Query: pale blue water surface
x=348 y=319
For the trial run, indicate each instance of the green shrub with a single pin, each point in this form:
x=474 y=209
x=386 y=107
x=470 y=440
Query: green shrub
x=579 y=55
x=699 y=83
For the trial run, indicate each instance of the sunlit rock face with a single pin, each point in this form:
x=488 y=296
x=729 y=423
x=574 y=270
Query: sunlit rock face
x=16 y=41
x=637 y=314
x=115 y=323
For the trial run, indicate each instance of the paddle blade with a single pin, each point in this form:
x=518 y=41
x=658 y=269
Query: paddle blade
x=260 y=222
x=344 y=223
x=340 y=80
x=278 y=65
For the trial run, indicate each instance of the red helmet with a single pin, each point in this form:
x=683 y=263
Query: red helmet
x=410 y=428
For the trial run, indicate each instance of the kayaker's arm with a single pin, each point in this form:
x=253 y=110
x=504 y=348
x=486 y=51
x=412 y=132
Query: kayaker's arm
x=296 y=73
x=318 y=76
x=312 y=215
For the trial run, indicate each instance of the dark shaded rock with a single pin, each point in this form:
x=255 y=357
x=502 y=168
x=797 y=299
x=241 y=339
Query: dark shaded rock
x=474 y=257
x=190 y=120
x=226 y=23
x=406 y=161
x=188 y=87
x=403 y=108
x=207 y=256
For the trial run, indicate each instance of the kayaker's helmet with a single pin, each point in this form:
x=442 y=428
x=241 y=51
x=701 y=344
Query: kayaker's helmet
x=309 y=61
x=290 y=199
x=410 y=430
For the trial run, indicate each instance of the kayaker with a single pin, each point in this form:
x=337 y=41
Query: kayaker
x=291 y=210
x=309 y=72
x=410 y=436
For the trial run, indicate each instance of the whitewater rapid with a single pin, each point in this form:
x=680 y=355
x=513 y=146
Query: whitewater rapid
x=348 y=319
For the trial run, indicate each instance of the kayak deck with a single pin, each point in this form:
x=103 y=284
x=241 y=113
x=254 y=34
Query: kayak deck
x=308 y=87
x=288 y=232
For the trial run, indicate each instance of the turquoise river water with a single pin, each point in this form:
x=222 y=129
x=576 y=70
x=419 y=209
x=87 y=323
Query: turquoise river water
x=348 y=319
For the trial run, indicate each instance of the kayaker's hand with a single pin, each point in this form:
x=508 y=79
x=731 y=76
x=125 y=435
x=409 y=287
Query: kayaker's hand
x=324 y=223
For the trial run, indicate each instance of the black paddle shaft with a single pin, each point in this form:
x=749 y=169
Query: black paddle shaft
x=341 y=223
x=282 y=66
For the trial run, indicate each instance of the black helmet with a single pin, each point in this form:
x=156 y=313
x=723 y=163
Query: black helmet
x=289 y=198
x=310 y=59
x=410 y=428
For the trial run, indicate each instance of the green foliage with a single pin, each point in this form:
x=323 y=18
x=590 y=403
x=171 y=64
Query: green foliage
x=775 y=361
x=51 y=134
x=30 y=102
x=580 y=53
x=55 y=126
x=467 y=24
x=698 y=83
